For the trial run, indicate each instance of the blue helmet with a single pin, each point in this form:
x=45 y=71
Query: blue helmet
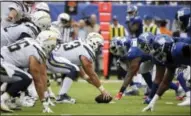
x=117 y=46
x=145 y=41
x=183 y=18
x=161 y=47
x=131 y=11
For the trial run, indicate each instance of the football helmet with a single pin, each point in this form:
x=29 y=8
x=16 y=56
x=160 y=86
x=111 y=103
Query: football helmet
x=94 y=40
x=41 y=19
x=145 y=41
x=48 y=40
x=162 y=45
x=64 y=19
x=42 y=6
x=183 y=19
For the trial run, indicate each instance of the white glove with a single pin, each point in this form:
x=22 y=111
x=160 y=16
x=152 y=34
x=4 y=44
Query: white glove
x=150 y=107
x=46 y=108
x=50 y=102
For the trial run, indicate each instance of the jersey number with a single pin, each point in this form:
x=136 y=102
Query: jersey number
x=18 y=46
x=71 y=45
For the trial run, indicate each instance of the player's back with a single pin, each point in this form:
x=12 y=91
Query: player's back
x=177 y=54
x=19 y=52
x=73 y=50
x=17 y=31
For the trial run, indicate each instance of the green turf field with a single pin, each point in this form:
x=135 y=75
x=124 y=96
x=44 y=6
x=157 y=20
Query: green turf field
x=85 y=94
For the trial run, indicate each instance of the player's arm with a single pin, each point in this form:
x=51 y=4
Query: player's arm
x=169 y=75
x=35 y=68
x=38 y=71
x=132 y=68
x=89 y=70
x=84 y=75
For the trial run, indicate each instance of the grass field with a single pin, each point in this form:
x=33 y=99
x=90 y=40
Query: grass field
x=131 y=105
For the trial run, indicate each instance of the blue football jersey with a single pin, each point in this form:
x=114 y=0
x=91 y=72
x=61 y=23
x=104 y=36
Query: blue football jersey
x=177 y=55
x=135 y=52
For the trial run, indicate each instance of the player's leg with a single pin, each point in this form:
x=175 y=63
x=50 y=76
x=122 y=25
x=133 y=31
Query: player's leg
x=185 y=77
x=14 y=87
x=64 y=66
x=160 y=70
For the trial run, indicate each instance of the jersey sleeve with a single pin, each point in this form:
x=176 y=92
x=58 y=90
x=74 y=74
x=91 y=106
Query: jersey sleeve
x=133 y=53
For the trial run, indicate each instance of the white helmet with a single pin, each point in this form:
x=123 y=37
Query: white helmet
x=41 y=19
x=48 y=40
x=42 y=6
x=63 y=19
x=94 y=40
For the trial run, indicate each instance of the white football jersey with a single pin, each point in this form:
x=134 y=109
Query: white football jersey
x=73 y=50
x=20 y=7
x=17 y=31
x=19 y=52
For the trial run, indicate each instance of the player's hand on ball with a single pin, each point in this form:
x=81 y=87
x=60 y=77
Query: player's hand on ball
x=46 y=108
x=106 y=95
x=150 y=107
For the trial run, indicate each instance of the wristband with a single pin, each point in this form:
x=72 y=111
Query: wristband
x=101 y=88
x=86 y=77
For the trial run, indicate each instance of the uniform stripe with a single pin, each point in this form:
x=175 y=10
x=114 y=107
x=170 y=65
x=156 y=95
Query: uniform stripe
x=56 y=63
x=90 y=53
x=41 y=54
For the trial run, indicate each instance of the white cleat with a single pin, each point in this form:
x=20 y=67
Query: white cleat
x=27 y=101
x=5 y=108
x=186 y=102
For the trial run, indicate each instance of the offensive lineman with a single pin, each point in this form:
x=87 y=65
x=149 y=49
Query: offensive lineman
x=81 y=54
x=27 y=53
x=39 y=21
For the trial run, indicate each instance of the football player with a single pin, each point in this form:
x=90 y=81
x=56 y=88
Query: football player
x=31 y=54
x=171 y=55
x=40 y=21
x=132 y=59
x=82 y=54
x=17 y=11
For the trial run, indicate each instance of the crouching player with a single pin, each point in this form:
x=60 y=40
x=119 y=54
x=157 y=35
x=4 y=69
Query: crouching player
x=27 y=53
x=75 y=56
x=172 y=55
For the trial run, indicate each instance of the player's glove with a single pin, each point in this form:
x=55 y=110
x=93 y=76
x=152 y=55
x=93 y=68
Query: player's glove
x=150 y=107
x=46 y=108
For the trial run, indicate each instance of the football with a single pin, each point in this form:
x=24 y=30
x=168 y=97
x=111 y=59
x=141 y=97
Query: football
x=100 y=99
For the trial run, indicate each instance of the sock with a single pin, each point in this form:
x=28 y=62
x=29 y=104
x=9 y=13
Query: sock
x=32 y=90
x=134 y=87
x=5 y=96
x=188 y=94
x=3 y=87
x=148 y=79
x=122 y=89
x=67 y=82
x=153 y=90
x=182 y=82
x=173 y=86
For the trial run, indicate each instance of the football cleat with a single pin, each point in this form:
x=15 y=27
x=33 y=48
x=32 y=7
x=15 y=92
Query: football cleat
x=186 y=102
x=132 y=93
x=27 y=101
x=65 y=99
x=118 y=96
x=11 y=103
x=5 y=107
